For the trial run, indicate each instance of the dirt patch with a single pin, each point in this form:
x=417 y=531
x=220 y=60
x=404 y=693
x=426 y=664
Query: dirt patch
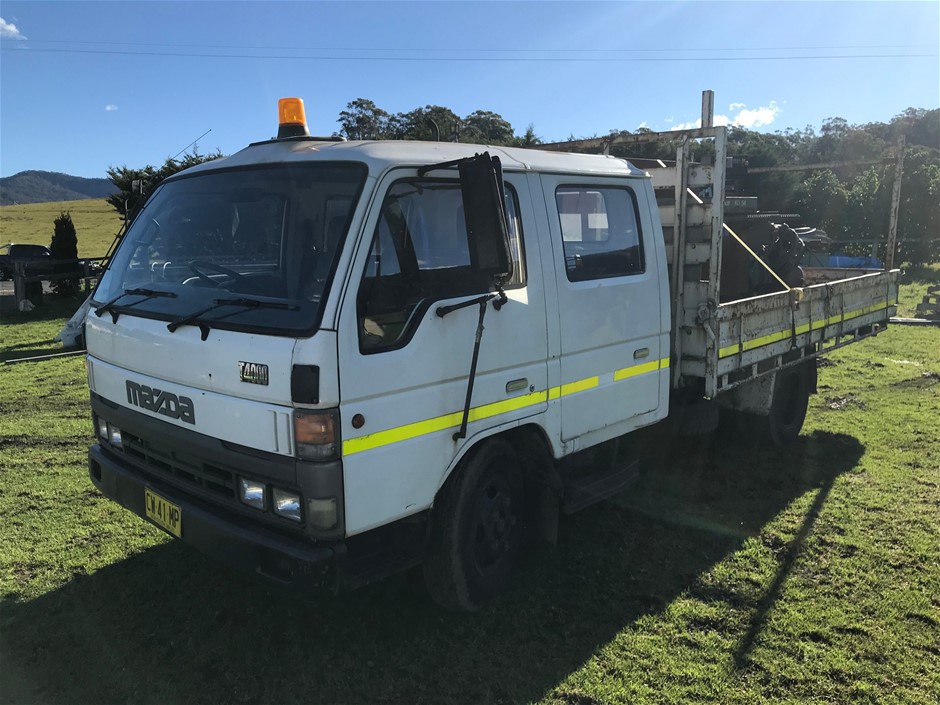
x=927 y=378
x=849 y=401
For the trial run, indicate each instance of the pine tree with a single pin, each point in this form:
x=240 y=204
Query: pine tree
x=64 y=246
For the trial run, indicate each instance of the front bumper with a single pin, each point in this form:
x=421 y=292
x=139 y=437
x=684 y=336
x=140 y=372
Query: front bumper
x=227 y=538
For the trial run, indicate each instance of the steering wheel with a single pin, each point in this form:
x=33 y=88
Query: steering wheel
x=198 y=266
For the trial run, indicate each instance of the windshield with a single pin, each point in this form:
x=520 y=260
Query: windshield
x=272 y=234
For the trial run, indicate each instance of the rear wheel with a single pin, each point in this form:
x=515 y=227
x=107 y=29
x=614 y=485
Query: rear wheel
x=788 y=408
x=477 y=529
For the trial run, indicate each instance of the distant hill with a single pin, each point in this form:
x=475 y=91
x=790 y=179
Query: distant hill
x=43 y=186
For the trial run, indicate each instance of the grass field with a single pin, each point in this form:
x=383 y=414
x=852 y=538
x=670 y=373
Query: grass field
x=96 y=224
x=727 y=575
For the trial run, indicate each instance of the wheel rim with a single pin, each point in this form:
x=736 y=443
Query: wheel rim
x=494 y=525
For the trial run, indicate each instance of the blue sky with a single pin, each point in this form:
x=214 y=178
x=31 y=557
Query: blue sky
x=86 y=85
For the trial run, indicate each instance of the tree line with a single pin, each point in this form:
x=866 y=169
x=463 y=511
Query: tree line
x=851 y=203
x=364 y=120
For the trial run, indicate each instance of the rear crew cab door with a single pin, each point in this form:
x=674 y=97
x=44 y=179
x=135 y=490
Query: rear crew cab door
x=404 y=369
x=614 y=354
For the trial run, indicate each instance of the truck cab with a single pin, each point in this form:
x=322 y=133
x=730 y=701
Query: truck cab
x=312 y=357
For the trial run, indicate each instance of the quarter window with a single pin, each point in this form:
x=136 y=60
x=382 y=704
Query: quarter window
x=600 y=232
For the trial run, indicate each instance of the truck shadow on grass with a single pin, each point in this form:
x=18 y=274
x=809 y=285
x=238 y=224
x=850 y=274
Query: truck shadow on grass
x=165 y=626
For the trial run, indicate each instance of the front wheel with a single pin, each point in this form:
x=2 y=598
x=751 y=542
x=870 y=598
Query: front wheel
x=476 y=531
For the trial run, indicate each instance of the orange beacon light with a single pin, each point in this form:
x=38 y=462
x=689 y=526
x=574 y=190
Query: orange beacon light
x=292 y=120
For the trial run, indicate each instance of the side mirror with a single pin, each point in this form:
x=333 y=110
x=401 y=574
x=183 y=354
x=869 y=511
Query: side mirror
x=481 y=184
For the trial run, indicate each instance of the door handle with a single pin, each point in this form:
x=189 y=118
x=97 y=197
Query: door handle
x=517 y=385
x=641 y=353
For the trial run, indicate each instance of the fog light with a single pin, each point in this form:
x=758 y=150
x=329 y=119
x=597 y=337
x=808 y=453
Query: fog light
x=114 y=435
x=251 y=492
x=287 y=504
x=102 y=428
x=321 y=513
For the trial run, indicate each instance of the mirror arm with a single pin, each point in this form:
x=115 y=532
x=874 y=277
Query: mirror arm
x=422 y=170
x=442 y=311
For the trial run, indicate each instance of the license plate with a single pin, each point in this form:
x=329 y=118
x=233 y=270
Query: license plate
x=163 y=513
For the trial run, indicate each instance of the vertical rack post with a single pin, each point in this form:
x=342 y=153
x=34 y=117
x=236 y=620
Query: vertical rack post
x=895 y=205
x=678 y=250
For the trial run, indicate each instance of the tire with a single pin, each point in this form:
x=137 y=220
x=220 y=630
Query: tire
x=788 y=408
x=476 y=529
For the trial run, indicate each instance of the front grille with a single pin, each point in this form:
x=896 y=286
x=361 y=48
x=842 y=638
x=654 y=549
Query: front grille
x=182 y=471
x=199 y=474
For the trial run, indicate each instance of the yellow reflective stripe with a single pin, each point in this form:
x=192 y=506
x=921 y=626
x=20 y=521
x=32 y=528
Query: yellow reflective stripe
x=800 y=330
x=730 y=350
x=754 y=343
x=635 y=370
x=505 y=406
x=859 y=312
x=579 y=386
x=401 y=433
x=439 y=423
x=442 y=423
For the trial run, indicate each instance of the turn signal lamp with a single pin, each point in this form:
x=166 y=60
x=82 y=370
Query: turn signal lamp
x=291 y=118
x=317 y=434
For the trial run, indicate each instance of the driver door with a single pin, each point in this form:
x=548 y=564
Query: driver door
x=404 y=369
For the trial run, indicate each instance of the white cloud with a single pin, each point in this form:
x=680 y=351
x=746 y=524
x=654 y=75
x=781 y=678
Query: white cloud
x=110 y=107
x=719 y=120
x=687 y=125
x=747 y=118
x=758 y=117
x=8 y=30
x=642 y=125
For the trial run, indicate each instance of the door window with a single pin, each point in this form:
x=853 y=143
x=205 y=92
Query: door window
x=419 y=254
x=600 y=232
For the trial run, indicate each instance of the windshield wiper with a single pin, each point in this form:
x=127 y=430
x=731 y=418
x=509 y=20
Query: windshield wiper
x=195 y=318
x=146 y=293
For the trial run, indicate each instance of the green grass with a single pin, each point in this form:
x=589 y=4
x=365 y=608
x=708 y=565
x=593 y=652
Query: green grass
x=27 y=334
x=727 y=575
x=915 y=281
x=96 y=224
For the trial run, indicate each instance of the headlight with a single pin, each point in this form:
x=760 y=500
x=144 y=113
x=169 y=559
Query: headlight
x=321 y=513
x=102 y=428
x=114 y=435
x=317 y=434
x=287 y=504
x=251 y=492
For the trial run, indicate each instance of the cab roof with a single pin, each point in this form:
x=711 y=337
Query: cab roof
x=381 y=155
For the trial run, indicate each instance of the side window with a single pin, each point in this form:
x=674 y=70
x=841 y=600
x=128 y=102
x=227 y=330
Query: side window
x=600 y=232
x=419 y=254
